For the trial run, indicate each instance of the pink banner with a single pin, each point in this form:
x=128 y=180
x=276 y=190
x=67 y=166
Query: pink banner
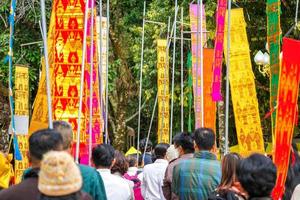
x=196 y=69
x=96 y=123
x=218 y=54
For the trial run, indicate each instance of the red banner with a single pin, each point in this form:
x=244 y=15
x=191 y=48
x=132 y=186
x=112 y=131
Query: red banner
x=286 y=111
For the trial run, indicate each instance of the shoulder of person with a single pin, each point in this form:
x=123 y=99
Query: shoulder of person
x=228 y=195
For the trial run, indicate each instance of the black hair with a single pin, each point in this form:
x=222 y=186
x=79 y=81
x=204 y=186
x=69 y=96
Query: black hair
x=160 y=150
x=42 y=141
x=132 y=160
x=185 y=141
x=143 y=145
x=103 y=155
x=204 y=138
x=257 y=175
x=73 y=196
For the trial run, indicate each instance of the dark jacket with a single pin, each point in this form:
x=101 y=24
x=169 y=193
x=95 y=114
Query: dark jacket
x=26 y=190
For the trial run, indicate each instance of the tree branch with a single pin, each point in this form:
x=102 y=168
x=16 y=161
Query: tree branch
x=4 y=21
x=135 y=114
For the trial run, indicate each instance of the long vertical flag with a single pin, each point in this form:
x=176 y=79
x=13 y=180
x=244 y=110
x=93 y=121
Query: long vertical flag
x=21 y=118
x=102 y=83
x=218 y=53
x=196 y=71
x=286 y=115
x=190 y=90
x=163 y=92
x=209 y=104
x=273 y=30
x=244 y=99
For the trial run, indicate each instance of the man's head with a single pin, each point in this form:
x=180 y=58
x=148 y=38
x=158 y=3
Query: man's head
x=204 y=139
x=160 y=150
x=183 y=142
x=257 y=175
x=103 y=156
x=144 y=146
x=42 y=141
x=132 y=161
x=65 y=129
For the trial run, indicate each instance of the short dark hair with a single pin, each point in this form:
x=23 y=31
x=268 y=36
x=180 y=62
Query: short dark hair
x=103 y=155
x=143 y=145
x=204 y=138
x=185 y=141
x=160 y=150
x=121 y=164
x=132 y=160
x=257 y=175
x=42 y=141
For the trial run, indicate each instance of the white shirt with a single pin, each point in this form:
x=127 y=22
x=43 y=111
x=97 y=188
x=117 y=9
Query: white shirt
x=296 y=193
x=153 y=176
x=115 y=186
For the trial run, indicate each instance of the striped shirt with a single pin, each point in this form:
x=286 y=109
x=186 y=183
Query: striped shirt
x=196 y=178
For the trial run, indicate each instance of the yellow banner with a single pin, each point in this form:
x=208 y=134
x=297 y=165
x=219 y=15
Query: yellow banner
x=163 y=92
x=243 y=92
x=39 y=119
x=21 y=118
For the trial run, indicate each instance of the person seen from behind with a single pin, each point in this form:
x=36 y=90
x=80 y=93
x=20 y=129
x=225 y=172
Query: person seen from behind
x=257 y=175
x=229 y=188
x=147 y=148
x=132 y=175
x=198 y=177
x=92 y=180
x=154 y=173
x=40 y=142
x=116 y=187
x=184 y=145
x=60 y=178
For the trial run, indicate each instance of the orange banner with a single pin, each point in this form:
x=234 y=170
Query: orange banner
x=286 y=114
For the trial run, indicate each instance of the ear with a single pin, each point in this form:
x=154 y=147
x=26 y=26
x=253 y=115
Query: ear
x=29 y=157
x=113 y=163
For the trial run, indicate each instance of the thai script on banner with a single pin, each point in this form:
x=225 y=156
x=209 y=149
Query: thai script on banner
x=103 y=37
x=286 y=115
x=209 y=105
x=196 y=69
x=273 y=30
x=163 y=92
x=244 y=99
x=21 y=118
x=218 y=54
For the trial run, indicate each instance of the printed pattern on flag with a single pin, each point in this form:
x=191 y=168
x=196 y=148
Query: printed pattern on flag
x=21 y=118
x=243 y=92
x=104 y=61
x=163 y=92
x=218 y=54
x=286 y=115
x=273 y=30
x=196 y=69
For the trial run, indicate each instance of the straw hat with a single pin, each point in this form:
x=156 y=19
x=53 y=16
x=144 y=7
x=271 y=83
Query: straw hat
x=59 y=175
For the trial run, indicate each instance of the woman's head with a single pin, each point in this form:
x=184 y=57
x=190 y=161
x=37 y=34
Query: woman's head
x=120 y=165
x=229 y=165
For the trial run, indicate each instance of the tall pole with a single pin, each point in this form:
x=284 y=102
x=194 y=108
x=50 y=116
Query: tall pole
x=107 y=57
x=81 y=81
x=227 y=80
x=201 y=63
x=100 y=57
x=197 y=65
x=91 y=82
x=173 y=73
x=141 y=77
x=44 y=25
x=182 y=85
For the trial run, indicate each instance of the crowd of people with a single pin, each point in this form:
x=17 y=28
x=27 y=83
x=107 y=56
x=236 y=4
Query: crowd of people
x=186 y=170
